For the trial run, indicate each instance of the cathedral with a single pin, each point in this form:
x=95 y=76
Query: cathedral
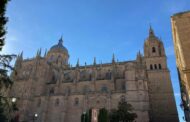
x=52 y=90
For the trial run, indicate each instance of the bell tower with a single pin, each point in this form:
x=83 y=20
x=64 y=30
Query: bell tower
x=159 y=83
x=154 y=52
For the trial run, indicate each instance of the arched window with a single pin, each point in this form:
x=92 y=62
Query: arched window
x=104 y=89
x=51 y=58
x=153 y=49
x=108 y=75
x=159 y=65
x=53 y=79
x=155 y=66
x=90 y=77
x=51 y=91
x=57 y=102
x=151 y=67
x=76 y=102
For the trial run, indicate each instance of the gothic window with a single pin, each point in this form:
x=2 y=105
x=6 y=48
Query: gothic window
x=151 y=67
x=101 y=75
x=53 y=79
x=108 y=75
x=104 y=89
x=90 y=77
x=51 y=58
x=122 y=98
x=76 y=102
x=155 y=66
x=39 y=102
x=51 y=91
x=84 y=75
x=153 y=49
x=59 y=57
x=68 y=77
x=159 y=65
x=57 y=102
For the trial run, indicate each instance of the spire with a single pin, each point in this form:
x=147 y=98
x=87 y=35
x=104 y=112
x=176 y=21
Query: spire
x=19 y=60
x=40 y=51
x=85 y=65
x=45 y=53
x=113 y=58
x=60 y=41
x=94 y=61
x=77 y=65
x=139 y=56
x=38 y=54
x=21 y=55
x=151 y=32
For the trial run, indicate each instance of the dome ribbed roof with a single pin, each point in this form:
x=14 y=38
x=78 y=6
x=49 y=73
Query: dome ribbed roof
x=59 y=47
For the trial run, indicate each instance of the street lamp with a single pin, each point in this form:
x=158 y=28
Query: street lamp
x=35 y=116
x=13 y=100
x=13 y=108
x=84 y=113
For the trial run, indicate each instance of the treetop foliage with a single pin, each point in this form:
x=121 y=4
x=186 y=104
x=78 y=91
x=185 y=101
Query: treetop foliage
x=3 y=21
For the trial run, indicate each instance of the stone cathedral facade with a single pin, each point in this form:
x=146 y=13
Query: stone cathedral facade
x=57 y=92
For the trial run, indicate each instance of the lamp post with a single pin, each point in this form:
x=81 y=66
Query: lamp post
x=84 y=113
x=13 y=100
x=35 y=116
x=12 y=108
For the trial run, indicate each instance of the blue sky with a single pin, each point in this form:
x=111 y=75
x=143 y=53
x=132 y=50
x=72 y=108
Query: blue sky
x=93 y=28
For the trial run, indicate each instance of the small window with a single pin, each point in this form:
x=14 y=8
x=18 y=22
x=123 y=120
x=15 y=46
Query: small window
x=104 y=89
x=51 y=92
x=57 y=102
x=90 y=77
x=151 y=67
x=155 y=66
x=160 y=67
x=76 y=103
x=153 y=49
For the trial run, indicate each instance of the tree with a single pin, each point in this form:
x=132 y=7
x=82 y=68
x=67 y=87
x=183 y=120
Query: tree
x=89 y=115
x=84 y=117
x=113 y=116
x=103 y=115
x=3 y=21
x=5 y=67
x=123 y=114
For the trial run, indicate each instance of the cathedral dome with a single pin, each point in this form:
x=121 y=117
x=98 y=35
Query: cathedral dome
x=59 y=48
